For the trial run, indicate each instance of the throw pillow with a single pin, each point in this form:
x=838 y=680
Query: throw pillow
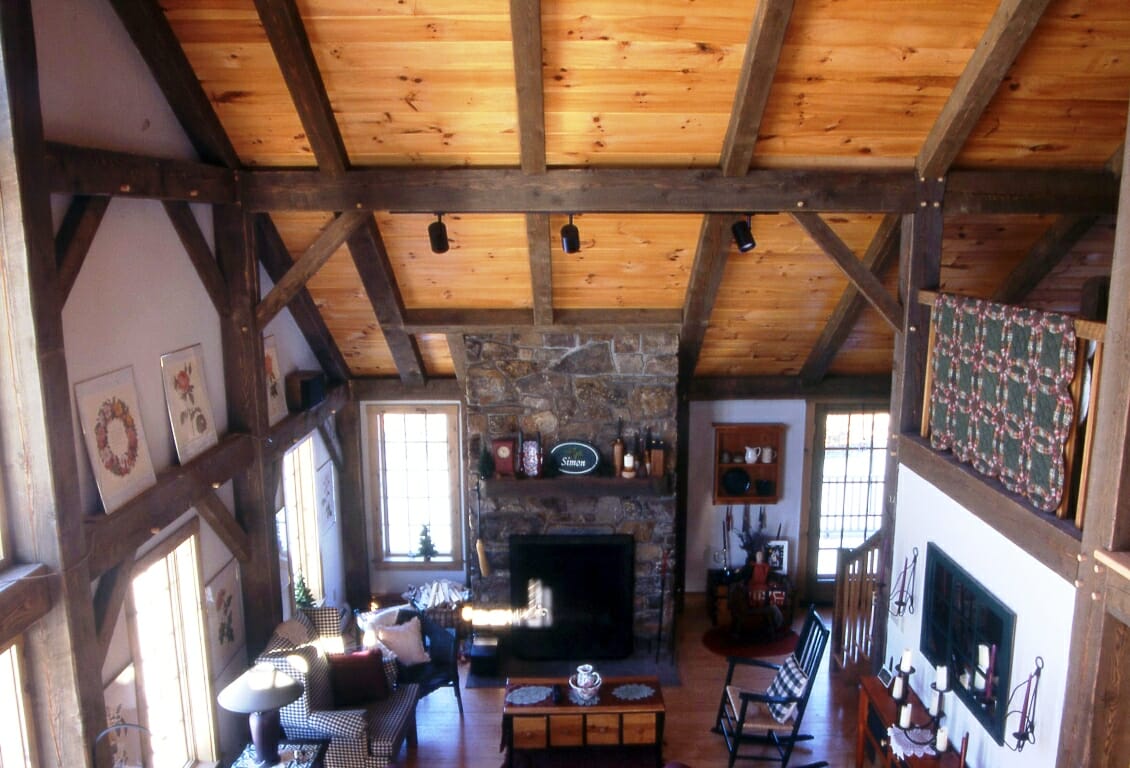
x=295 y=631
x=790 y=681
x=357 y=678
x=405 y=641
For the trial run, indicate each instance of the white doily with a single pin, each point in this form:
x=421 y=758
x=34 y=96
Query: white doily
x=903 y=747
x=529 y=694
x=633 y=691
x=576 y=699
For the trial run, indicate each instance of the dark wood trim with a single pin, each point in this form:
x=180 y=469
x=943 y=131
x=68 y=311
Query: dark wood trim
x=860 y=276
x=1004 y=38
x=25 y=598
x=324 y=246
x=331 y=441
x=286 y=33
x=711 y=255
x=284 y=435
x=73 y=170
x=1052 y=247
x=879 y=256
x=584 y=486
x=276 y=260
x=525 y=33
x=491 y=320
x=762 y=54
x=606 y=190
x=832 y=388
x=109 y=597
x=147 y=26
x=1018 y=191
x=1051 y=541
x=379 y=281
x=365 y=390
x=75 y=235
x=213 y=511
x=196 y=246
x=541 y=264
x=118 y=535
x=457 y=348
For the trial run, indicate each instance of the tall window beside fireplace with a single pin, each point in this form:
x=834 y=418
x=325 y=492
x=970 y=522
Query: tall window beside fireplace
x=414 y=480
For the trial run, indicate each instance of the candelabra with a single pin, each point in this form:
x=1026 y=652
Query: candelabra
x=936 y=734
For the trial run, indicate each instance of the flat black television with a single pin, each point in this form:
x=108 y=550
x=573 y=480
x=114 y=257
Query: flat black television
x=573 y=596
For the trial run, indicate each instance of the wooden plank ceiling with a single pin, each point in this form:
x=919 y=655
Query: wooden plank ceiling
x=852 y=85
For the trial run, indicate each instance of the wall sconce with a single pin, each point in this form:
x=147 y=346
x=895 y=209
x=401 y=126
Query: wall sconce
x=1026 y=730
x=570 y=237
x=902 y=593
x=743 y=233
x=437 y=235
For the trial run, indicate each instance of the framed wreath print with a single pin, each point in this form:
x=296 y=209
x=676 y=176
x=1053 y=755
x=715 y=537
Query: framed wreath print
x=114 y=436
x=276 y=397
x=121 y=718
x=777 y=555
x=190 y=408
x=224 y=599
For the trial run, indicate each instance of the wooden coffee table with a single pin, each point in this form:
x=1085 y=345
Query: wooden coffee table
x=628 y=714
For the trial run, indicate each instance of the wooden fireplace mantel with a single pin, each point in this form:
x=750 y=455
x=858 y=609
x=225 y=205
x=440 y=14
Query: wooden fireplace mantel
x=577 y=486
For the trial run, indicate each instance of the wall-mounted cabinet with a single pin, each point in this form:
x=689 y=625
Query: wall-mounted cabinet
x=747 y=463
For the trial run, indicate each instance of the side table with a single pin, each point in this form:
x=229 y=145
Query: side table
x=311 y=754
x=718 y=581
x=877 y=712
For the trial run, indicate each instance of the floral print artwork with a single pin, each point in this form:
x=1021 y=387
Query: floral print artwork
x=186 y=394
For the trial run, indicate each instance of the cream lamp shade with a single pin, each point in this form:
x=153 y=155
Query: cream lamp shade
x=259 y=692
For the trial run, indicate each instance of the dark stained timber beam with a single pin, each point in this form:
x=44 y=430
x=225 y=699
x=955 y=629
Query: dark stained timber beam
x=75 y=170
x=109 y=597
x=319 y=252
x=880 y=254
x=180 y=214
x=702 y=289
x=146 y=24
x=1004 y=38
x=525 y=29
x=457 y=347
x=272 y=254
x=25 y=597
x=379 y=281
x=75 y=236
x=1052 y=247
x=603 y=190
x=541 y=266
x=832 y=388
x=1064 y=192
x=284 y=435
x=224 y=524
x=487 y=320
x=860 y=276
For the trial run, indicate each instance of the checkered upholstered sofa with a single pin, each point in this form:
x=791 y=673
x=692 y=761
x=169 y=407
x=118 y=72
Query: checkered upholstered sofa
x=359 y=737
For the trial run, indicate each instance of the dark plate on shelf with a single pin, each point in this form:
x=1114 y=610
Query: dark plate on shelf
x=736 y=481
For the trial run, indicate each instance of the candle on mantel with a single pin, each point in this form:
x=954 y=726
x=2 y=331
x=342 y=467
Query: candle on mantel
x=904 y=716
x=908 y=657
x=943 y=742
x=942 y=679
x=896 y=689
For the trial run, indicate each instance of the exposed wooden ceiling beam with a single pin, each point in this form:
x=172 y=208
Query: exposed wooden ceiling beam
x=456 y=347
x=287 y=35
x=880 y=254
x=770 y=387
x=541 y=266
x=1043 y=257
x=109 y=597
x=75 y=235
x=147 y=26
x=702 y=290
x=73 y=170
x=199 y=254
x=488 y=320
x=275 y=258
x=25 y=597
x=1004 y=38
x=525 y=30
x=860 y=276
x=379 y=281
x=1017 y=191
x=223 y=523
x=319 y=252
x=762 y=53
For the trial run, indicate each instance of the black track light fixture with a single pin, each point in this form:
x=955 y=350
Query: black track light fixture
x=570 y=237
x=743 y=233
x=437 y=235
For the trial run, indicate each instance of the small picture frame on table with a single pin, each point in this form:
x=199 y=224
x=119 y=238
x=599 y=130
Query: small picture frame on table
x=777 y=555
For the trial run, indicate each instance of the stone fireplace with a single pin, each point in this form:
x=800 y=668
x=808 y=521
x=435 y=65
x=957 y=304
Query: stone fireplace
x=574 y=386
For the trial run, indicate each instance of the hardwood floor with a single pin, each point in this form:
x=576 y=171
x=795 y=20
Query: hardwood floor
x=445 y=741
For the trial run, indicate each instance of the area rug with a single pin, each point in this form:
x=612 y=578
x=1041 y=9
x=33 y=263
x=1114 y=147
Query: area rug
x=721 y=641
x=665 y=669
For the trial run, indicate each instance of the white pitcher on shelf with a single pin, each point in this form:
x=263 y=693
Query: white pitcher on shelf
x=752 y=454
x=768 y=454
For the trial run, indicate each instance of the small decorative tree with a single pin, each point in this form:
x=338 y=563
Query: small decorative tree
x=427 y=546
x=302 y=595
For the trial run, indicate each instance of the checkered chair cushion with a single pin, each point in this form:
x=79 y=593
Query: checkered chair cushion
x=789 y=682
x=327 y=620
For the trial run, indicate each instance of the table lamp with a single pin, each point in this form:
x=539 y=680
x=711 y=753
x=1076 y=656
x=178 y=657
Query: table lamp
x=259 y=692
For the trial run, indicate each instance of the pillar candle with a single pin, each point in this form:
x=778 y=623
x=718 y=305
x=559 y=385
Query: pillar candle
x=943 y=678
x=896 y=689
x=983 y=656
x=908 y=657
x=934 y=703
x=943 y=741
x=904 y=716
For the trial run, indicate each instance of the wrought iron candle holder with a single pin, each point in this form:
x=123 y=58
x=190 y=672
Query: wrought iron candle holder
x=902 y=591
x=1026 y=730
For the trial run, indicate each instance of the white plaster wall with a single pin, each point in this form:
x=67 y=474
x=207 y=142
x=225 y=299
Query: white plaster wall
x=704 y=519
x=1042 y=601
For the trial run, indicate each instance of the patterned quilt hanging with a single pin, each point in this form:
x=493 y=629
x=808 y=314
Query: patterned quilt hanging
x=1001 y=400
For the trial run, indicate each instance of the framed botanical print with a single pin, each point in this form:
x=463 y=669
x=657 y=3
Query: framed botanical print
x=224 y=600
x=327 y=497
x=190 y=408
x=121 y=718
x=276 y=397
x=114 y=436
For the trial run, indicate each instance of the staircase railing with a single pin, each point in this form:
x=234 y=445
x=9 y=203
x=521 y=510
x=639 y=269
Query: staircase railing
x=853 y=618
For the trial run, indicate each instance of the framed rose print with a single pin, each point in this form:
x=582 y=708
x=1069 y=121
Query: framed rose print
x=190 y=408
x=276 y=397
x=224 y=600
x=114 y=436
x=121 y=718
